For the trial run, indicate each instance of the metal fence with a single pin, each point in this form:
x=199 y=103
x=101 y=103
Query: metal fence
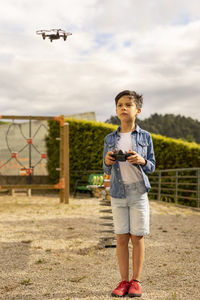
x=180 y=186
x=172 y=185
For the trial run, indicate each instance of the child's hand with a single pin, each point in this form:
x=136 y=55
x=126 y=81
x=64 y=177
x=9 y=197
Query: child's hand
x=136 y=158
x=109 y=160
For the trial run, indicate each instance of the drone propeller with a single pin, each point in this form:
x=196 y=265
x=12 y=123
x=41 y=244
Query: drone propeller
x=53 y=34
x=42 y=31
x=39 y=31
x=57 y=30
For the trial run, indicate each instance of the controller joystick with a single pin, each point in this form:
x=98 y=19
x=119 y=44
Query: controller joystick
x=120 y=155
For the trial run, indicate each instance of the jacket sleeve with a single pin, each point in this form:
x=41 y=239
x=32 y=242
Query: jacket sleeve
x=106 y=169
x=150 y=165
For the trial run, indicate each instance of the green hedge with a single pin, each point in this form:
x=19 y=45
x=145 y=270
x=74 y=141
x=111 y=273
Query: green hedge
x=86 y=140
x=175 y=153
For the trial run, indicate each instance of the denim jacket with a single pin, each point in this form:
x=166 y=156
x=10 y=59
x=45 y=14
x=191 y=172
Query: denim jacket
x=143 y=145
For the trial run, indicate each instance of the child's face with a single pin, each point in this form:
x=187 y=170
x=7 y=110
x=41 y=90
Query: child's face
x=126 y=109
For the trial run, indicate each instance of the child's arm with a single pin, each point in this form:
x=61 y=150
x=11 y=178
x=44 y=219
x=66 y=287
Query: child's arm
x=149 y=167
x=147 y=164
x=108 y=160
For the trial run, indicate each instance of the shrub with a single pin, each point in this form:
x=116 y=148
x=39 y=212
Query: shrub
x=86 y=140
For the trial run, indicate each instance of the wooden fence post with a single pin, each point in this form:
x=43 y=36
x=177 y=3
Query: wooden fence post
x=66 y=161
x=61 y=160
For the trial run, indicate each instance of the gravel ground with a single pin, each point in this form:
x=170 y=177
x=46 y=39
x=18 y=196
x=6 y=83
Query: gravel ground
x=50 y=251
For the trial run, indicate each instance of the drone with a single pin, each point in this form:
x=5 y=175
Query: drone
x=54 y=34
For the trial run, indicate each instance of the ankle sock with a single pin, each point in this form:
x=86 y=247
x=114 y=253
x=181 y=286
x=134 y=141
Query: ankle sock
x=136 y=280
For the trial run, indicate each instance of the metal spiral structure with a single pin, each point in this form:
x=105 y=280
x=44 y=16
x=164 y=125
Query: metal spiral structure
x=28 y=144
x=63 y=184
x=108 y=238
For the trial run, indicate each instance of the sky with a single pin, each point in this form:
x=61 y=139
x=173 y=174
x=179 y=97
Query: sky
x=152 y=47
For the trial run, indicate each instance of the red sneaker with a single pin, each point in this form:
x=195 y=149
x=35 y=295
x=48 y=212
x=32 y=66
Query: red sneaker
x=135 y=289
x=121 y=290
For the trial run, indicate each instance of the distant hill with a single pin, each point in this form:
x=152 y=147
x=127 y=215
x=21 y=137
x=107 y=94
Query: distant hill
x=175 y=126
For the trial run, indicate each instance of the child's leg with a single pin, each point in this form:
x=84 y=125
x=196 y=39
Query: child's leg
x=138 y=255
x=123 y=255
x=120 y=212
x=139 y=226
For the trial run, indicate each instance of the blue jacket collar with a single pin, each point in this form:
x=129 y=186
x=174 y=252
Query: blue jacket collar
x=137 y=129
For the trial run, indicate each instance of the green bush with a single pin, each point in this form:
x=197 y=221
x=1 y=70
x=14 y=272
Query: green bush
x=175 y=153
x=86 y=140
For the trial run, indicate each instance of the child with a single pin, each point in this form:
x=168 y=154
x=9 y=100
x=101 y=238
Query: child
x=129 y=186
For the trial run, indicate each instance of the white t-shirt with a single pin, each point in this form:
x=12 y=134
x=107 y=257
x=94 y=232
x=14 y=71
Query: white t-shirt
x=130 y=173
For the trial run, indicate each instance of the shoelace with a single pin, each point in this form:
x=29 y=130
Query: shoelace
x=122 y=283
x=134 y=283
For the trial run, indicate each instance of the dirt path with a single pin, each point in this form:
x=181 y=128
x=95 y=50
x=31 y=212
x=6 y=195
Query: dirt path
x=49 y=251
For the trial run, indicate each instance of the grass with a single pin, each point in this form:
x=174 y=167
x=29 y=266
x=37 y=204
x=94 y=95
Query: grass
x=40 y=261
x=174 y=295
x=26 y=282
x=48 y=250
x=76 y=279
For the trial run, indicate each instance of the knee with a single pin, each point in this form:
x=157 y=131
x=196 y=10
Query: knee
x=123 y=239
x=137 y=239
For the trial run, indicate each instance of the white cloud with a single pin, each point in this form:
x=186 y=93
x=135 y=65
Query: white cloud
x=150 y=46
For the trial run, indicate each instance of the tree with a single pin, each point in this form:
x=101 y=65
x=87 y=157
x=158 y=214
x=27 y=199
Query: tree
x=175 y=126
x=113 y=120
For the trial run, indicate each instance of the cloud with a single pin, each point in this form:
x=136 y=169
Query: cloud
x=150 y=46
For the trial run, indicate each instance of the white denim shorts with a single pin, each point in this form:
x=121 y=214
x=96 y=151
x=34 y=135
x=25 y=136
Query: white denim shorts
x=131 y=214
